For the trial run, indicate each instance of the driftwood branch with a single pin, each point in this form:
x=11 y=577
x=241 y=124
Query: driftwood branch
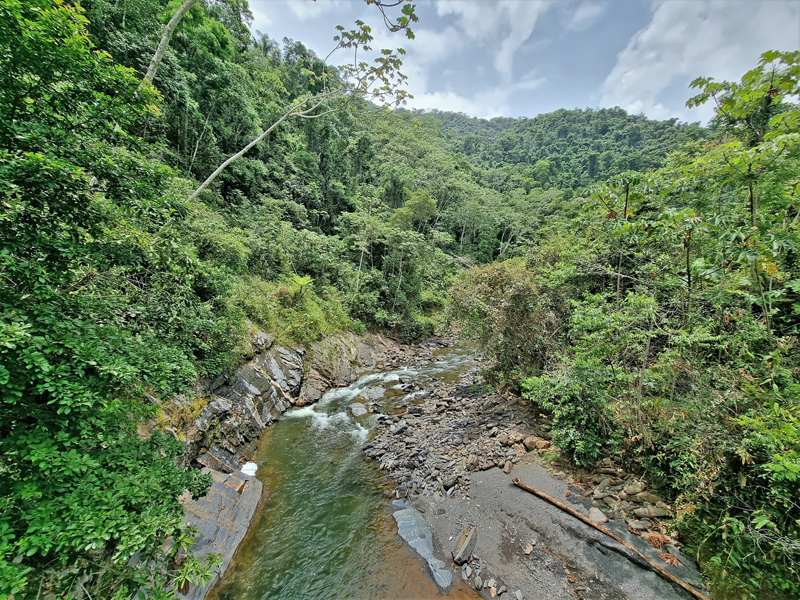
x=656 y=567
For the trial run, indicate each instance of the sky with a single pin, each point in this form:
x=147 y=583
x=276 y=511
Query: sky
x=516 y=58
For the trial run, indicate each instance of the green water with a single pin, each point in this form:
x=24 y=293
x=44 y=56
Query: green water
x=324 y=529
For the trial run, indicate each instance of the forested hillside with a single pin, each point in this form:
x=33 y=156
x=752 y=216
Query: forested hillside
x=671 y=293
x=568 y=149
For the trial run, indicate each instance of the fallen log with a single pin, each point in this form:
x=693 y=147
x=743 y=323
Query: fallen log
x=656 y=567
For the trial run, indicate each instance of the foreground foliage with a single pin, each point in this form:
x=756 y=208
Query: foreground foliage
x=125 y=280
x=661 y=325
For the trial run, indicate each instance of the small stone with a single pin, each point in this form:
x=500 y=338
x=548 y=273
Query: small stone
x=650 y=512
x=529 y=549
x=358 y=409
x=638 y=525
x=465 y=545
x=646 y=497
x=501 y=590
x=466 y=572
x=399 y=428
x=604 y=483
x=597 y=515
x=529 y=443
x=478 y=582
x=491 y=583
x=507 y=467
x=542 y=444
x=493 y=591
x=634 y=488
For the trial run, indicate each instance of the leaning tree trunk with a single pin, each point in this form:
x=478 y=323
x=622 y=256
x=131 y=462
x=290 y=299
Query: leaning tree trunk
x=165 y=38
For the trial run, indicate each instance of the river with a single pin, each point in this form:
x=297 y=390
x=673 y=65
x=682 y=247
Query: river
x=324 y=528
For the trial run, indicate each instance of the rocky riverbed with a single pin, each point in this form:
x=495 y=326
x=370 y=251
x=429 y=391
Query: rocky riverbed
x=451 y=449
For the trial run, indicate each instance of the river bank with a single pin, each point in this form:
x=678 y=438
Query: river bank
x=448 y=446
x=451 y=455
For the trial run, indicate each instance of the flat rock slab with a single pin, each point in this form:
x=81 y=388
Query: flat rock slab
x=532 y=546
x=411 y=527
x=222 y=516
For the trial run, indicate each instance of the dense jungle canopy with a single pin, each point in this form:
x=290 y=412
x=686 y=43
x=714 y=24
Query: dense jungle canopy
x=637 y=279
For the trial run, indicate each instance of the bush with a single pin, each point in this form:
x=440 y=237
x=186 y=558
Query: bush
x=576 y=398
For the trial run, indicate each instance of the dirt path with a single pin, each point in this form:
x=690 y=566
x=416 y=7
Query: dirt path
x=452 y=456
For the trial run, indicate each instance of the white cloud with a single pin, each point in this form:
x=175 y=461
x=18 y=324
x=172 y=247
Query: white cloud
x=433 y=46
x=504 y=26
x=306 y=9
x=485 y=103
x=585 y=16
x=689 y=39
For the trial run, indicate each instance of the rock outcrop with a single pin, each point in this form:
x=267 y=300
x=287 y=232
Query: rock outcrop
x=222 y=517
x=412 y=528
x=242 y=404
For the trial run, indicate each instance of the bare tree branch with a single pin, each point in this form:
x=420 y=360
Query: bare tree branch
x=166 y=36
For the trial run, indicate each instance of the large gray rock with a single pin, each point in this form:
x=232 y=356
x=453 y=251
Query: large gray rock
x=339 y=360
x=411 y=527
x=222 y=517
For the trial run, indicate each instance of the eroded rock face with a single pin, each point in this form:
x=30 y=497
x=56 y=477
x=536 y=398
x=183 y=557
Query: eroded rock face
x=241 y=405
x=339 y=360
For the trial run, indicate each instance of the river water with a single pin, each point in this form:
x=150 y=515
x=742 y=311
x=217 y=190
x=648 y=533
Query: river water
x=324 y=528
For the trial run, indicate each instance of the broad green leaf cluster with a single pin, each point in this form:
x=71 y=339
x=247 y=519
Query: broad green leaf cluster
x=659 y=323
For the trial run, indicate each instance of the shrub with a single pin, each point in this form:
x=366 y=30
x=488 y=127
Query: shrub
x=576 y=398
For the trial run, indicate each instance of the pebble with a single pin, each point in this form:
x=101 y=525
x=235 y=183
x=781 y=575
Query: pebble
x=478 y=582
x=597 y=515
